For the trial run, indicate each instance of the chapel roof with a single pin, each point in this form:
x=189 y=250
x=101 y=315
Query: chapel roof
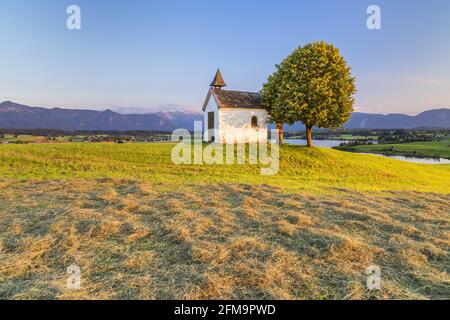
x=231 y=98
x=234 y=99
x=238 y=99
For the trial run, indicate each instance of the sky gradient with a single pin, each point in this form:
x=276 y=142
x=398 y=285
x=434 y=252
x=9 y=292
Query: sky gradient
x=141 y=56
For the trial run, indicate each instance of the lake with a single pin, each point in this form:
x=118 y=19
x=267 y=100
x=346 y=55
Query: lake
x=335 y=143
x=316 y=143
x=415 y=160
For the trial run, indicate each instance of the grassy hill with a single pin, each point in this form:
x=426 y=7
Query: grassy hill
x=300 y=168
x=140 y=227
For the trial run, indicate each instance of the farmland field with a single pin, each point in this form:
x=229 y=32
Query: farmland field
x=140 y=227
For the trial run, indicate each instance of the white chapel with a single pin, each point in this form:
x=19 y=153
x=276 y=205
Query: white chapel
x=233 y=116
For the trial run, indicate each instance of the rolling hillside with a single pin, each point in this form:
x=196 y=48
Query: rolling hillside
x=300 y=168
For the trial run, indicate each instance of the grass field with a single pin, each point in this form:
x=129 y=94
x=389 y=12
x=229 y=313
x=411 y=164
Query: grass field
x=355 y=137
x=140 y=227
x=433 y=149
x=9 y=138
x=300 y=168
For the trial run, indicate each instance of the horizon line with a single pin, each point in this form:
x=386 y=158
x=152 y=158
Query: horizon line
x=120 y=110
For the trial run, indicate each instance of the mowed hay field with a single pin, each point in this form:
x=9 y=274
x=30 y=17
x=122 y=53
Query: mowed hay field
x=140 y=227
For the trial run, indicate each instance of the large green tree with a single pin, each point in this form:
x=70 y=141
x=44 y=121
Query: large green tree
x=313 y=85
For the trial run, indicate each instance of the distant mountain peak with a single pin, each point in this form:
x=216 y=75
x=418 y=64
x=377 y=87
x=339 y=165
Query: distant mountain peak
x=109 y=111
x=8 y=104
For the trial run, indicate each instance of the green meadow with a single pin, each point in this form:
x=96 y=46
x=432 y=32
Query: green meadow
x=140 y=227
x=300 y=168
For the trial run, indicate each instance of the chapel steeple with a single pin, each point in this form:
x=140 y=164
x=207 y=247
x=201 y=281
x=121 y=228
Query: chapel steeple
x=218 y=82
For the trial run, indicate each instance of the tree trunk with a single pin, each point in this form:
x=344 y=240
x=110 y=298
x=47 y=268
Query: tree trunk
x=309 y=136
x=279 y=127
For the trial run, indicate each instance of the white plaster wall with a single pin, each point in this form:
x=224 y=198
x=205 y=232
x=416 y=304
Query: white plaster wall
x=211 y=107
x=235 y=124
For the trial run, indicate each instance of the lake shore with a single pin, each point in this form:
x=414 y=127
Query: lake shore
x=421 y=150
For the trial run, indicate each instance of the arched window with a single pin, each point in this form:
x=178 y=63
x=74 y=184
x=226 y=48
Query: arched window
x=254 y=122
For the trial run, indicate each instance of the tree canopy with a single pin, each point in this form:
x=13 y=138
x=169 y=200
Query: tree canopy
x=313 y=85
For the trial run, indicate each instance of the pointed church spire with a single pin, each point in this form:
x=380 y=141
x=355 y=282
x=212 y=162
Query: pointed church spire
x=218 y=82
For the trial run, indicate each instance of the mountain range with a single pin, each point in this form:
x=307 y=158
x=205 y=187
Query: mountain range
x=437 y=118
x=17 y=116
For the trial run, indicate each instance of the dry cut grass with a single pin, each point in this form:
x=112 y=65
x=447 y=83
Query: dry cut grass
x=140 y=240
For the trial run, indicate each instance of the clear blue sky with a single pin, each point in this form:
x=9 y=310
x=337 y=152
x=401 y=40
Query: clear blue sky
x=161 y=55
